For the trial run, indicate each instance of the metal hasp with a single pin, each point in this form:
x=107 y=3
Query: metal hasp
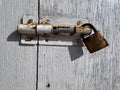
x=60 y=34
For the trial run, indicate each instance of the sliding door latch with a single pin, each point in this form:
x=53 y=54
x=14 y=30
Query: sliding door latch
x=46 y=33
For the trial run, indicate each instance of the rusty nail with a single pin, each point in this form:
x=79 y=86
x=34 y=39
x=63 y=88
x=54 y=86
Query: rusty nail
x=30 y=21
x=48 y=85
x=79 y=22
x=29 y=38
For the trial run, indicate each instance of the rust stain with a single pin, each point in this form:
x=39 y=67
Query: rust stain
x=61 y=26
x=79 y=22
x=30 y=37
x=29 y=21
x=47 y=85
x=77 y=28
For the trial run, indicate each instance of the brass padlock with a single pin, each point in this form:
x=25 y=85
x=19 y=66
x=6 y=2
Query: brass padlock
x=95 y=41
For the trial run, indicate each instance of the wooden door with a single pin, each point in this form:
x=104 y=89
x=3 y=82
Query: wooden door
x=24 y=67
x=17 y=62
x=73 y=68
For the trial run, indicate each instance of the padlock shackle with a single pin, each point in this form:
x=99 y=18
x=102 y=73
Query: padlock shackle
x=91 y=26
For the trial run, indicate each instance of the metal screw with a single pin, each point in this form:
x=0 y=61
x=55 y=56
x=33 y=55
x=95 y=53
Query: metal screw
x=79 y=22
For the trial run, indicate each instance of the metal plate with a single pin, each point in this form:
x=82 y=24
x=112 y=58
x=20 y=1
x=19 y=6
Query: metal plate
x=57 y=40
x=27 y=42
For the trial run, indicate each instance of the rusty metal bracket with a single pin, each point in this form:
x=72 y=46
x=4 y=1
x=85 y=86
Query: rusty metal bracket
x=50 y=34
x=28 y=30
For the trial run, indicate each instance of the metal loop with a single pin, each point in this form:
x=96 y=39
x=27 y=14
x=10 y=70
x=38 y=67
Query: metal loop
x=91 y=26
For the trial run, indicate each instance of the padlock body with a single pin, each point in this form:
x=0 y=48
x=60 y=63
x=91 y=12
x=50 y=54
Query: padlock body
x=95 y=42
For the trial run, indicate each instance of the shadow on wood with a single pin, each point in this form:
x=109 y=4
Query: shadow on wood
x=75 y=52
x=14 y=36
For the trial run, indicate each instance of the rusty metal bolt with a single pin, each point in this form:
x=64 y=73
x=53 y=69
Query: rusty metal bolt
x=79 y=22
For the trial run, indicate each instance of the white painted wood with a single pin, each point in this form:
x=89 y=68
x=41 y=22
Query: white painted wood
x=17 y=62
x=66 y=68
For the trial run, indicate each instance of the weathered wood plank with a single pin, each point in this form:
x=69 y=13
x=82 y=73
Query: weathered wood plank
x=17 y=63
x=98 y=71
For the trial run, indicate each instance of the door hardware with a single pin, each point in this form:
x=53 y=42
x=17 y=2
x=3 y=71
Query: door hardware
x=68 y=34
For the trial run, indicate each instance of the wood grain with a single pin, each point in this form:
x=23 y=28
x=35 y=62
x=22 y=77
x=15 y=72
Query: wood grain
x=17 y=62
x=65 y=68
